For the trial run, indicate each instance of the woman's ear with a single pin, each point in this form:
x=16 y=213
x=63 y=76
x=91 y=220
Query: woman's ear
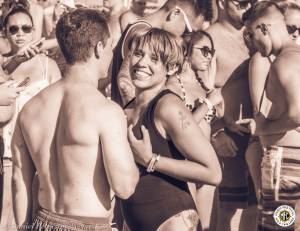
x=172 y=70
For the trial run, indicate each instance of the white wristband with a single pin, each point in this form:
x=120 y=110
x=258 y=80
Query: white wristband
x=208 y=103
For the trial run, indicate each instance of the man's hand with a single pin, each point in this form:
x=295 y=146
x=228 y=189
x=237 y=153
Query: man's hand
x=9 y=92
x=59 y=10
x=141 y=149
x=254 y=125
x=236 y=127
x=224 y=145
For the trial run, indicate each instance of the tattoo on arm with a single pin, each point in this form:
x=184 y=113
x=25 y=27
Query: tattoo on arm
x=184 y=120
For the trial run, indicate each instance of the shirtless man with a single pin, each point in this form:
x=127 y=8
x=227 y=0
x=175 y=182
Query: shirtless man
x=231 y=143
x=175 y=16
x=78 y=145
x=276 y=124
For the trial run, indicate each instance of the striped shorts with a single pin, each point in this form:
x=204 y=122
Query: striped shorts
x=280 y=186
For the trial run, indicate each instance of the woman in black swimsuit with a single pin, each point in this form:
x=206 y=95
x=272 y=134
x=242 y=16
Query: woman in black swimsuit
x=168 y=145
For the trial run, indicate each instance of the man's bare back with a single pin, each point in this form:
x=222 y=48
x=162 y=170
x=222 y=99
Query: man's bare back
x=73 y=137
x=69 y=127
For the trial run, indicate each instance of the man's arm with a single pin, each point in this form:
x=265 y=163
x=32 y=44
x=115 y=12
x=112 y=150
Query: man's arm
x=258 y=72
x=121 y=170
x=23 y=173
x=38 y=12
x=202 y=165
x=288 y=78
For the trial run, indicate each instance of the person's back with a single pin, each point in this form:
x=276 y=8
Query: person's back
x=69 y=127
x=78 y=144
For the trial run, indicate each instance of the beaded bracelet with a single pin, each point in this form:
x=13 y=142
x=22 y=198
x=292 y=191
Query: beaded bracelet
x=154 y=160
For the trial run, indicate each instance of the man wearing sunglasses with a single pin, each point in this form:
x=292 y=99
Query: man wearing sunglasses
x=292 y=19
x=277 y=120
x=229 y=139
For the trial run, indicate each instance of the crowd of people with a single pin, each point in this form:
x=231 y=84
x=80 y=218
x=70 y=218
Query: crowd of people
x=172 y=115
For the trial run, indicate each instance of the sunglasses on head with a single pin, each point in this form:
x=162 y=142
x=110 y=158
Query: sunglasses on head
x=292 y=29
x=263 y=28
x=15 y=29
x=189 y=28
x=240 y=5
x=205 y=50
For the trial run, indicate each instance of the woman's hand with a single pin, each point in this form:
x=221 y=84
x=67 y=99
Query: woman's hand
x=141 y=149
x=9 y=92
x=31 y=49
x=215 y=97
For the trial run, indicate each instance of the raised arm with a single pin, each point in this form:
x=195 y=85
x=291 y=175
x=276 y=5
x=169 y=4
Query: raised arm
x=121 y=170
x=23 y=173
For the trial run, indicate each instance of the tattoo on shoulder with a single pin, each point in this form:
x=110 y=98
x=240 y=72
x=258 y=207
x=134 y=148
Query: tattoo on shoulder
x=184 y=120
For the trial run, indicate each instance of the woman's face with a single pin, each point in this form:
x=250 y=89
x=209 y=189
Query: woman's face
x=201 y=54
x=19 y=30
x=146 y=69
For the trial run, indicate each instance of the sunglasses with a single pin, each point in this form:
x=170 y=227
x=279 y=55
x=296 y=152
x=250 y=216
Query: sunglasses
x=189 y=28
x=263 y=28
x=241 y=5
x=205 y=50
x=15 y=29
x=292 y=29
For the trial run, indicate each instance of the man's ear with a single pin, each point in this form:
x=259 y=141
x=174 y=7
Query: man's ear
x=98 y=49
x=173 y=69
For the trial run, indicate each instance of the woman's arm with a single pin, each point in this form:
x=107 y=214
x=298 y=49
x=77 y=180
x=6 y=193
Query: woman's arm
x=174 y=120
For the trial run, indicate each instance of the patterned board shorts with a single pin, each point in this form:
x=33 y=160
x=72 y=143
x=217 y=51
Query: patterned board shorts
x=280 y=186
x=49 y=221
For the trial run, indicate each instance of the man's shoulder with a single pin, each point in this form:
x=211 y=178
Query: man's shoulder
x=287 y=60
x=109 y=109
x=214 y=30
x=286 y=64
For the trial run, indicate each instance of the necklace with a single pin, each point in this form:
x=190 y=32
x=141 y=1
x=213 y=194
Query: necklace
x=189 y=106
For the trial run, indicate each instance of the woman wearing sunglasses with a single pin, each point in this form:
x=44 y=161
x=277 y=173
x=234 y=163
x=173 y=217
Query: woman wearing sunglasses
x=195 y=86
x=35 y=73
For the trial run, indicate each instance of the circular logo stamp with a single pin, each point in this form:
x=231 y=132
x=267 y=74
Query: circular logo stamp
x=284 y=216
